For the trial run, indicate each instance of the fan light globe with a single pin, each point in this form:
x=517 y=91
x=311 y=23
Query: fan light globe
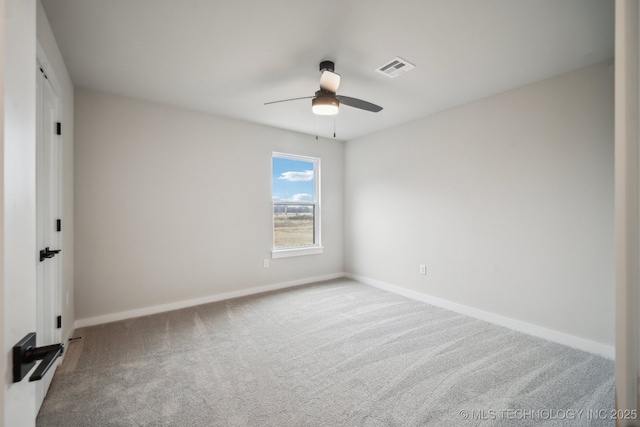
x=325 y=105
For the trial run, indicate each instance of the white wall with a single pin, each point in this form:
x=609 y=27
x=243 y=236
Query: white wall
x=173 y=205
x=50 y=58
x=18 y=228
x=507 y=200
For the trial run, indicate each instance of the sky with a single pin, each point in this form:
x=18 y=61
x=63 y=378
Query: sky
x=292 y=180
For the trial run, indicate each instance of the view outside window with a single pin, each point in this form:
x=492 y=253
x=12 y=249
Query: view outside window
x=294 y=188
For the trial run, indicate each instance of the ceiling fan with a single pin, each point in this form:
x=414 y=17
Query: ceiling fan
x=326 y=102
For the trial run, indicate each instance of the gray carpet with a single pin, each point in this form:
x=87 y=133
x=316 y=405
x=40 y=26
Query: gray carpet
x=335 y=353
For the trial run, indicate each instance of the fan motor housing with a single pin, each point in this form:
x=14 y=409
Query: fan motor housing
x=327 y=65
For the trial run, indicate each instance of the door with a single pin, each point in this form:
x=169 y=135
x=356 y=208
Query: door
x=47 y=215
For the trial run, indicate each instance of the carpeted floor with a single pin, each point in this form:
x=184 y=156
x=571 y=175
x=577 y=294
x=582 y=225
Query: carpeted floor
x=336 y=353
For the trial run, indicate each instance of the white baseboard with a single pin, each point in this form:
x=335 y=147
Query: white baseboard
x=537 y=331
x=113 y=317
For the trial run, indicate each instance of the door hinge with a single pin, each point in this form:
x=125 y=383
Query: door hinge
x=59 y=322
x=58 y=128
x=58 y=225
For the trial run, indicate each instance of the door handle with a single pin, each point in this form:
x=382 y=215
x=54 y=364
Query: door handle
x=48 y=354
x=25 y=354
x=47 y=253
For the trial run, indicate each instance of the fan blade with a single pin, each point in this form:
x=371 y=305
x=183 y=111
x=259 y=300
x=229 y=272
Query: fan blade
x=329 y=81
x=358 y=103
x=286 y=100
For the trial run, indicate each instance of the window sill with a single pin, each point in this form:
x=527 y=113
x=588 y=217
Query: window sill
x=286 y=253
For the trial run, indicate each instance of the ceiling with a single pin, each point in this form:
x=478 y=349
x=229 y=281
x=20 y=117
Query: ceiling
x=229 y=57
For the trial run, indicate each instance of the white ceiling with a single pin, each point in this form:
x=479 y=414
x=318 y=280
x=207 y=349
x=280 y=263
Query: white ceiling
x=229 y=57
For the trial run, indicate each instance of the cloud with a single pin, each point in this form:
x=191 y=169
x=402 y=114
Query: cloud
x=297 y=176
x=302 y=197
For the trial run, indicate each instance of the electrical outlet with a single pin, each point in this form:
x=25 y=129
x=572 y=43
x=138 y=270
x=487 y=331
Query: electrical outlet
x=266 y=263
x=423 y=269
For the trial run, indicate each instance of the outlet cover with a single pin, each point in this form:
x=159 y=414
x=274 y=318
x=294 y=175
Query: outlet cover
x=423 y=269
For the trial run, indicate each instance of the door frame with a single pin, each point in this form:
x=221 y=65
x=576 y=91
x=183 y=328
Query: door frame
x=627 y=206
x=18 y=254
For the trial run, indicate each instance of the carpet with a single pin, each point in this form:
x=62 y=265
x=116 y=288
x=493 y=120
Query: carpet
x=335 y=353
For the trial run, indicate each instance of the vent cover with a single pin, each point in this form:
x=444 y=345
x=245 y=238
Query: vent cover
x=395 y=67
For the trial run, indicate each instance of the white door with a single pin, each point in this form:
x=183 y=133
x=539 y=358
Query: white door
x=48 y=236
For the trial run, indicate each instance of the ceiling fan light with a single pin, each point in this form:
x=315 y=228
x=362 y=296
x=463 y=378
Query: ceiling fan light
x=325 y=105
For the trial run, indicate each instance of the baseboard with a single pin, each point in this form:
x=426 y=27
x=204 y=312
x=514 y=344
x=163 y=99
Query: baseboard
x=527 y=328
x=130 y=314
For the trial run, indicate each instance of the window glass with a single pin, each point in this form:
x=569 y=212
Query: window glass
x=295 y=204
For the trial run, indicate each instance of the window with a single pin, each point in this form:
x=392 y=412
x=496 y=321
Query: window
x=295 y=192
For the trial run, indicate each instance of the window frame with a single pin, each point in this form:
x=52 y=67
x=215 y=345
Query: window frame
x=316 y=247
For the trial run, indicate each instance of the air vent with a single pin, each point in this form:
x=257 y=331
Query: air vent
x=395 y=67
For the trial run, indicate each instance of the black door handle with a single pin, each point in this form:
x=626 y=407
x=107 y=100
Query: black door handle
x=25 y=354
x=48 y=354
x=47 y=253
